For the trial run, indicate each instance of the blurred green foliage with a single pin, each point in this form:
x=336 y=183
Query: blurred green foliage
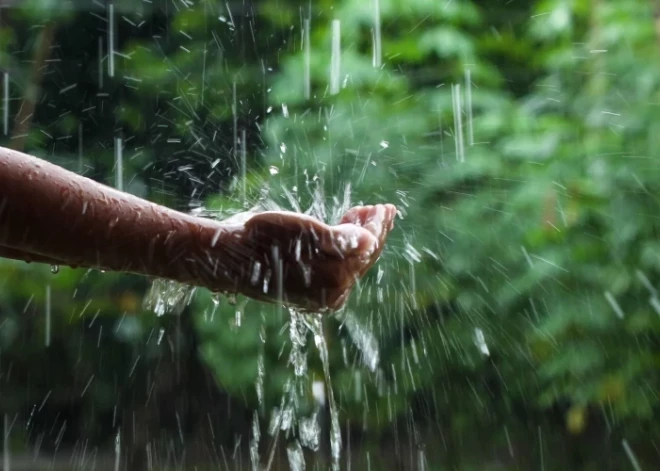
x=536 y=241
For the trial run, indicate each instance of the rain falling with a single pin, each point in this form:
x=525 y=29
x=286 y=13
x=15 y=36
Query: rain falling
x=338 y=235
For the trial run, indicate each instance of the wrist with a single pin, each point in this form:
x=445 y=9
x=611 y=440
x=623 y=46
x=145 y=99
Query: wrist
x=217 y=257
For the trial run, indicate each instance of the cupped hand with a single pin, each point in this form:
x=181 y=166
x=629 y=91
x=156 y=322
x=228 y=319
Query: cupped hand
x=302 y=262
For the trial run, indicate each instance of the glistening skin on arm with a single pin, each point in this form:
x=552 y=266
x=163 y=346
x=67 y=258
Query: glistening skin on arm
x=51 y=215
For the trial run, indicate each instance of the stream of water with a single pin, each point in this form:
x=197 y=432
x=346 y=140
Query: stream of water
x=287 y=422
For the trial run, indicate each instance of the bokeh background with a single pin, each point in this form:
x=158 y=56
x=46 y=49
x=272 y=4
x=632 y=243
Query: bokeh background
x=513 y=321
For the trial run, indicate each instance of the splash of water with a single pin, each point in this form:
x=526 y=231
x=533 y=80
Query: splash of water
x=297 y=335
x=168 y=297
x=296 y=458
x=310 y=432
x=254 y=443
x=316 y=326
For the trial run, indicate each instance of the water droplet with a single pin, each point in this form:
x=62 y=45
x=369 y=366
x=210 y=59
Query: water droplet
x=283 y=147
x=296 y=458
x=274 y=170
x=256 y=269
x=480 y=341
x=231 y=299
x=254 y=443
x=318 y=392
x=168 y=297
x=55 y=269
x=259 y=383
x=297 y=335
x=364 y=340
x=310 y=432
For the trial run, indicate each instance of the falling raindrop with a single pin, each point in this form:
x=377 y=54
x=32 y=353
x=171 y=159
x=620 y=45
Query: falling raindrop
x=244 y=167
x=614 y=304
x=100 y=55
x=234 y=114
x=47 y=315
x=307 y=55
x=335 y=59
x=117 y=450
x=119 y=165
x=296 y=458
x=378 y=53
x=5 y=103
x=161 y=334
x=364 y=339
x=634 y=462
x=316 y=326
x=458 y=121
x=259 y=383
x=480 y=341
x=111 y=40
x=310 y=432
x=468 y=105
x=254 y=442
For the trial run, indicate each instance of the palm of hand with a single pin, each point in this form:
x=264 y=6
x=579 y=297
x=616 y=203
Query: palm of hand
x=303 y=262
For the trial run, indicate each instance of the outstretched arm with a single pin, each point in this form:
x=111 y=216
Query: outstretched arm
x=51 y=215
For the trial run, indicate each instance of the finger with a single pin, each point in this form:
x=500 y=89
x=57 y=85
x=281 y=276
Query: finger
x=350 y=240
x=374 y=219
x=390 y=215
x=283 y=219
x=353 y=215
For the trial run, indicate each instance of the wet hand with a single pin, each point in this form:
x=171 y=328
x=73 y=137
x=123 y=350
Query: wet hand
x=303 y=262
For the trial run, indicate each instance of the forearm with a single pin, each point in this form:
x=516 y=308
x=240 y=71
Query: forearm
x=14 y=254
x=58 y=215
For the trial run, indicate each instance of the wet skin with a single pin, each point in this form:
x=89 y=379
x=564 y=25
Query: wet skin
x=319 y=263
x=51 y=215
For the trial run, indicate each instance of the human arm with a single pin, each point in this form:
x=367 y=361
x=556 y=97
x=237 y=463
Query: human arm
x=51 y=215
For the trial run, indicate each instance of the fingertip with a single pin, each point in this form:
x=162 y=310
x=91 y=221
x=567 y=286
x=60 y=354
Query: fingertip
x=391 y=215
